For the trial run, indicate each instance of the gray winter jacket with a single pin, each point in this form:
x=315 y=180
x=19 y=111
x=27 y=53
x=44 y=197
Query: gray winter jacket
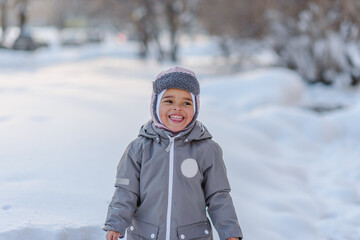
x=165 y=184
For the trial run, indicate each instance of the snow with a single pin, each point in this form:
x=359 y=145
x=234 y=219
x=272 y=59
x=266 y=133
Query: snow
x=66 y=116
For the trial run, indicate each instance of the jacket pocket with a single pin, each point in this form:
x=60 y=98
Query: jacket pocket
x=139 y=230
x=200 y=231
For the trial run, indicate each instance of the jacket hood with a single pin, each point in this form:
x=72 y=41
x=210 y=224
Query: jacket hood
x=196 y=133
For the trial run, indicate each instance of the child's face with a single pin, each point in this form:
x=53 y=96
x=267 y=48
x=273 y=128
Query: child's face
x=176 y=109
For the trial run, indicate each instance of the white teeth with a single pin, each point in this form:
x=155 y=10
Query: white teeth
x=177 y=117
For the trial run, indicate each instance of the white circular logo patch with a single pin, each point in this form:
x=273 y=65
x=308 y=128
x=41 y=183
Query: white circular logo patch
x=189 y=167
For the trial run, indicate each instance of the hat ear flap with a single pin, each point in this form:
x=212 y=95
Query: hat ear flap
x=158 y=101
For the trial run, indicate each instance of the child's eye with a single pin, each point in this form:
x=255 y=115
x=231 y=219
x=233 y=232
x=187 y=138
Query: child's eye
x=188 y=103
x=168 y=101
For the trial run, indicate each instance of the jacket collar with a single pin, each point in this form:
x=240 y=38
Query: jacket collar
x=197 y=132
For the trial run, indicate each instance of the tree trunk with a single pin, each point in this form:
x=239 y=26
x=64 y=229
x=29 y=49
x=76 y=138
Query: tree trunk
x=3 y=20
x=22 y=16
x=172 y=17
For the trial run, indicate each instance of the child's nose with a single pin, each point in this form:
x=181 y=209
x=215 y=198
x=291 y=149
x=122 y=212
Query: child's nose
x=177 y=107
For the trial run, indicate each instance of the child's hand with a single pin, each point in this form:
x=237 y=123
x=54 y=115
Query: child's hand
x=112 y=235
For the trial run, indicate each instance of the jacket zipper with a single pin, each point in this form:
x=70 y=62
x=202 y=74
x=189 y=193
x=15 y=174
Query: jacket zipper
x=170 y=188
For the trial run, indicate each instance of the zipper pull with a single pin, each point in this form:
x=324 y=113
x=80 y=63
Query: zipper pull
x=170 y=144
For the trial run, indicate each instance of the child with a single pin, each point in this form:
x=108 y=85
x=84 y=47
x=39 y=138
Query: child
x=172 y=172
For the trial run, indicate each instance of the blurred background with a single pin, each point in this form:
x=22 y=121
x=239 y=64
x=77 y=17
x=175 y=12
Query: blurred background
x=317 y=38
x=279 y=92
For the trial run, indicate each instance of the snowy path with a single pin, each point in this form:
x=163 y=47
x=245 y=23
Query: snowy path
x=294 y=174
x=63 y=129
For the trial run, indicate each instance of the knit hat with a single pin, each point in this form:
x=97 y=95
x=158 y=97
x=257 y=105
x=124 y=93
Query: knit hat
x=178 y=78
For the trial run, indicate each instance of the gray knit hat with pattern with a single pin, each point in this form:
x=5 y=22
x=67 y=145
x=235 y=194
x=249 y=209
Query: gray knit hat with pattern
x=178 y=78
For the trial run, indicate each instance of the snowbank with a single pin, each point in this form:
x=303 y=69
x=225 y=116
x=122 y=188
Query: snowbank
x=294 y=172
x=247 y=91
x=56 y=54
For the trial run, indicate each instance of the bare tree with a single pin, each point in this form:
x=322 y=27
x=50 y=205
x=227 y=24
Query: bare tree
x=162 y=23
x=232 y=20
x=143 y=16
x=303 y=33
x=313 y=37
x=173 y=10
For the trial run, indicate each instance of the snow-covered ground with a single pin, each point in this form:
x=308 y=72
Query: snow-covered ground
x=67 y=115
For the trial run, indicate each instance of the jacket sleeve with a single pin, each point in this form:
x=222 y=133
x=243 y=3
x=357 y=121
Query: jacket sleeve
x=126 y=196
x=218 y=200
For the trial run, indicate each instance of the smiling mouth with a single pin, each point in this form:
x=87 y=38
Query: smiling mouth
x=176 y=118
